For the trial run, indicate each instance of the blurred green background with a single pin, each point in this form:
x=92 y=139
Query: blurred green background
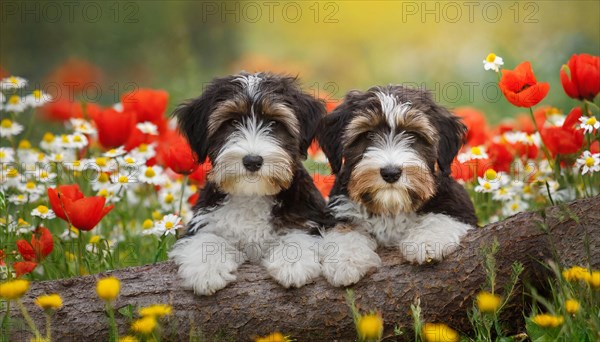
x=334 y=46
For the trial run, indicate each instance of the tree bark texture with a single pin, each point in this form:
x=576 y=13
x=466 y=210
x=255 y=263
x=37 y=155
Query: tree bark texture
x=255 y=305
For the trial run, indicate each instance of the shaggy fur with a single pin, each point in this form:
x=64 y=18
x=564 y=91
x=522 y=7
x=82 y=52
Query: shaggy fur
x=259 y=203
x=391 y=149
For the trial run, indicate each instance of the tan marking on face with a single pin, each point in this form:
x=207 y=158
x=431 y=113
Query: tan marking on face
x=282 y=113
x=226 y=110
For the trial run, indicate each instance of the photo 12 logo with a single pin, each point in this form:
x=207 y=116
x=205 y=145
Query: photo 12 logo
x=269 y=11
x=470 y=11
x=71 y=12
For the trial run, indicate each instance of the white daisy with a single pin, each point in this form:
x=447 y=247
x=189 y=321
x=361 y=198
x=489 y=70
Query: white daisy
x=167 y=199
x=588 y=163
x=7 y=155
x=12 y=82
x=121 y=179
x=15 y=104
x=8 y=128
x=37 y=98
x=168 y=225
x=104 y=164
x=514 y=206
x=589 y=124
x=9 y=177
x=82 y=126
x=75 y=141
x=102 y=181
x=31 y=188
x=23 y=227
x=493 y=62
x=476 y=152
x=128 y=161
x=70 y=234
x=48 y=142
x=115 y=152
x=503 y=193
x=153 y=175
x=109 y=194
x=44 y=176
x=147 y=127
x=143 y=152
x=44 y=212
x=18 y=199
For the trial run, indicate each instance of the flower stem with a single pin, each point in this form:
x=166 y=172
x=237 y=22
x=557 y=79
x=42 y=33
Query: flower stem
x=48 y=327
x=183 y=184
x=114 y=333
x=537 y=129
x=28 y=319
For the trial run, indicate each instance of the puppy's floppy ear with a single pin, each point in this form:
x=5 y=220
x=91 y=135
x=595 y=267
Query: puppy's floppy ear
x=309 y=113
x=192 y=118
x=452 y=134
x=331 y=131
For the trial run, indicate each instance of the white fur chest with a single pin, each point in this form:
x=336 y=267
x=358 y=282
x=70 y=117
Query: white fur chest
x=240 y=219
x=387 y=230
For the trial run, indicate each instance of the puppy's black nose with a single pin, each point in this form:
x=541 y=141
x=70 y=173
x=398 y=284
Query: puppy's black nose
x=390 y=174
x=252 y=162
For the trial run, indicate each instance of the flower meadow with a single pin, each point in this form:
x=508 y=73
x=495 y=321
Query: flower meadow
x=111 y=187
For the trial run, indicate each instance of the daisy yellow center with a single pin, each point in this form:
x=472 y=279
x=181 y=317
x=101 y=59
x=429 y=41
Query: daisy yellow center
x=101 y=161
x=490 y=174
x=143 y=147
x=13 y=100
x=123 y=179
x=6 y=123
x=527 y=189
x=150 y=172
x=22 y=222
x=58 y=157
x=476 y=151
x=44 y=174
x=2 y=155
x=76 y=163
x=12 y=173
x=103 y=193
x=112 y=151
x=129 y=160
x=487 y=186
x=147 y=224
x=30 y=185
x=65 y=138
x=156 y=215
x=48 y=137
x=24 y=144
x=169 y=225
x=491 y=58
x=37 y=94
x=77 y=138
x=589 y=161
x=169 y=198
x=20 y=197
x=103 y=178
x=514 y=206
x=41 y=156
x=95 y=239
x=591 y=121
x=42 y=209
x=13 y=80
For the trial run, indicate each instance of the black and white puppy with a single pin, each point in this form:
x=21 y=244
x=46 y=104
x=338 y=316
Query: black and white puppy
x=259 y=203
x=391 y=149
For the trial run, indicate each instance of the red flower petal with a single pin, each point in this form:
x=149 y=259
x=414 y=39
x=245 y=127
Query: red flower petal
x=24 y=267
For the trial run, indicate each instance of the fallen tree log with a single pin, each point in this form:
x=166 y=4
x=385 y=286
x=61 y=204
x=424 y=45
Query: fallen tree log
x=256 y=305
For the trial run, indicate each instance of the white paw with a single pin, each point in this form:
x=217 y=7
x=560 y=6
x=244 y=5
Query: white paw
x=294 y=262
x=347 y=257
x=207 y=263
x=434 y=238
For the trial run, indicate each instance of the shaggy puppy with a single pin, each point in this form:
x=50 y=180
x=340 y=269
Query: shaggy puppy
x=391 y=149
x=259 y=203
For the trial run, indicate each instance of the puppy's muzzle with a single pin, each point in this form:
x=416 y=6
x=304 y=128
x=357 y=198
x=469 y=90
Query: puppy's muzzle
x=252 y=162
x=390 y=174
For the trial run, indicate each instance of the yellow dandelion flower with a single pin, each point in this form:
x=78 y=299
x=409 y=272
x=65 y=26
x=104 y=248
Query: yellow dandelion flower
x=547 y=320
x=108 y=288
x=488 y=302
x=128 y=338
x=370 y=327
x=156 y=310
x=439 y=332
x=144 y=325
x=576 y=273
x=51 y=301
x=13 y=289
x=572 y=306
x=594 y=280
x=274 y=337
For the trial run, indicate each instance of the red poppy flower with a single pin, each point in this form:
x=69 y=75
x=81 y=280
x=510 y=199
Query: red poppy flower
x=63 y=110
x=324 y=183
x=84 y=213
x=39 y=248
x=114 y=128
x=477 y=129
x=199 y=175
x=566 y=139
x=2 y=258
x=181 y=158
x=501 y=156
x=520 y=87
x=24 y=267
x=580 y=77
x=471 y=169
x=148 y=104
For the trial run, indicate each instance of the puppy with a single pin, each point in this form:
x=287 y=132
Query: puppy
x=259 y=203
x=391 y=149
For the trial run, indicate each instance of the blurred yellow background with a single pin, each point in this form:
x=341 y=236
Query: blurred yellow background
x=334 y=46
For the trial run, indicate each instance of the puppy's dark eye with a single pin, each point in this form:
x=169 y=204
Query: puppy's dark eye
x=232 y=122
x=274 y=124
x=370 y=135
